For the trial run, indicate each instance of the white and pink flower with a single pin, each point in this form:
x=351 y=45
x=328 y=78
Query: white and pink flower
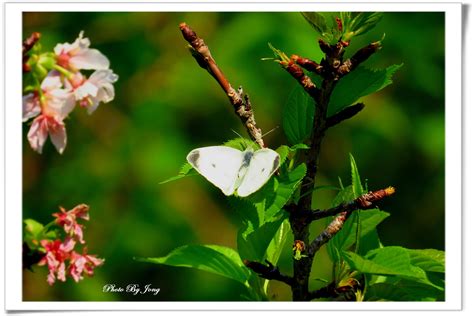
x=93 y=90
x=78 y=55
x=68 y=220
x=50 y=111
x=83 y=264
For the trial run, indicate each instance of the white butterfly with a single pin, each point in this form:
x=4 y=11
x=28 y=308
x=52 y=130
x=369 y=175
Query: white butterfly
x=230 y=169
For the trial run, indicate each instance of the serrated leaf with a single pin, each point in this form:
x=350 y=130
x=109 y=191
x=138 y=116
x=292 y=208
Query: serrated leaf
x=186 y=170
x=428 y=259
x=219 y=260
x=264 y=209
x=403 y=291
x=325 y=24
x=358 y=83
x=298 y=116
x=358 y=23
x=394 y=261
x=276 y=192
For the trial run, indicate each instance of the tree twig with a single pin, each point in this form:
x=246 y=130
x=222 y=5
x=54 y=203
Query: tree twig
x=360 y=56
x=344 y=114
x=27 y=46
x=344 y=210
x=269 y=271
x=239 y=101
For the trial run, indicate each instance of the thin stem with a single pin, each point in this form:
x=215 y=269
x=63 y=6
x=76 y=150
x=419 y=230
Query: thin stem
x=238 y=99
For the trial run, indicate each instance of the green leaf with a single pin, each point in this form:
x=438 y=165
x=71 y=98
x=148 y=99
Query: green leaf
x=252 y=245
x=357 y=187
x=403 y=291
x=358 y=83
x=358 y=23
x=262 y=212
x=241 y=144
x=391 y=261
x=211 y=258
x=428 y=259
x=283 y=151
x=346 y=237
x=369 y=242
x=298 y=116
x=276 y=245
x=276 y=193
x=32 y=227
x=325 y=24
x=186 y=170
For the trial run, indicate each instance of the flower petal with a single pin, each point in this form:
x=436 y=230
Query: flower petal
x=57 y=132
x=38 y=133
x=89 y=59
x=31 y=106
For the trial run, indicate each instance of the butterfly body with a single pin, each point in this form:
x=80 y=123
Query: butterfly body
x=234 y=171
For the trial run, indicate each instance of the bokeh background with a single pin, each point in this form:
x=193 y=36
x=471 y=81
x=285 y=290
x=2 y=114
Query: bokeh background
x=166 y=105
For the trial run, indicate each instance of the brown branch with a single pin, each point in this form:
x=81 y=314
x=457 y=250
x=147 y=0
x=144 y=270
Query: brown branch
x=360 y=56
x=333 y=291
x=269 y=271
x=27 y=46
x=307 y=64
x=363 y=202
x=239 y=101
x=344 y=114
x=296 y=72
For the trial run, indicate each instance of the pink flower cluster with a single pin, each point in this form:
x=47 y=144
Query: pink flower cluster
x=59 y=252
x=63 y=88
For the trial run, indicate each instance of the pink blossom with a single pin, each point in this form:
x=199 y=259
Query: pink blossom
x=57 y=253
x=31 y=106
x=55 y=105
x=78 y=55
x=97 y=88
x=68 y=220
x=41 y=127
x=83 y=264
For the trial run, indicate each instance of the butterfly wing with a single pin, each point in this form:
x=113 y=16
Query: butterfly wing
x=263 y=164
x=218 y=164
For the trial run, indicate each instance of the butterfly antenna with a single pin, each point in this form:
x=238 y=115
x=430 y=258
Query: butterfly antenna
x=272 y=130
x=236 y=133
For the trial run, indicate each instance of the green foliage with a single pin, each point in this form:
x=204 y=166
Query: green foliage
x=357 y=187
x=298 y=116
x=393 y=273
x=35 y=231
x=391 y=261
x=344 y=239
x=325 y=24
x=350 y=24
x=211 y=258
x=186 y=170
x=431 y=260
x=358 y=23
x=262 y=213
x=358 y=83
x=241 y=143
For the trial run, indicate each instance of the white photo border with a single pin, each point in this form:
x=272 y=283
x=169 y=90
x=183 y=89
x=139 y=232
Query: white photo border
x=13 y=151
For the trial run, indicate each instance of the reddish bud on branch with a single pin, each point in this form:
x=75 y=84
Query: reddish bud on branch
x=307 y=64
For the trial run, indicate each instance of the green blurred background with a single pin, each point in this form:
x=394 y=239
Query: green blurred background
x=166 y=105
